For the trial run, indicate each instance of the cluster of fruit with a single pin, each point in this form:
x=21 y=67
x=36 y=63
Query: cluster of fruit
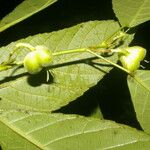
x=130 y=58
x=35 y=61
x=41 y=56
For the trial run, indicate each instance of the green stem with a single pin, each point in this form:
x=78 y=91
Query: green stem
x=94 y=48
x=19 y=63
x=10 y=59
x=2 y=67
x=70 y=51
x=27 y=45
x=109 y=40
x=118 y=50
x=6 y=67
x=93 y=53
x=110 y=62
x=86 y=50
x=74 y=51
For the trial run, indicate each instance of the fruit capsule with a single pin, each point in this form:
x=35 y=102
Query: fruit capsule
x=31 y=63
x=44 y=55
x=131 y=61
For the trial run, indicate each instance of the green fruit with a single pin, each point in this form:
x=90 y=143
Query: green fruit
x=37 y=59
x=44 y=55
x=131 y=61
x=31 y=63
x=137 y=52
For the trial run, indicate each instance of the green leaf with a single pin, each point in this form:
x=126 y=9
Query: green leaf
x=28 y=130
x=141 y=98
x=22 y=91
x=132 y=13
x=26 y=9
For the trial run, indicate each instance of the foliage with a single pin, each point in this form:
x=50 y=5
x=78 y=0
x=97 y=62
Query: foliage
x=33 y=108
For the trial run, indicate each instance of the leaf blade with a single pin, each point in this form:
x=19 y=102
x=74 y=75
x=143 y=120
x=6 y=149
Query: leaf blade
x=69 y=71
x=56 y=131
x=23 y=11
x=140 y=98
x=132 y=13
x=48 y=97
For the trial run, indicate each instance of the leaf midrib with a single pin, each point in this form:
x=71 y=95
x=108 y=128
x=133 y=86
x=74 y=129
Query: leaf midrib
x=135 y=16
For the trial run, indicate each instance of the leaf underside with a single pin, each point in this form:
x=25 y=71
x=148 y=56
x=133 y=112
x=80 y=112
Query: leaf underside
x=26 y=130
x=19 y=90
x=132 y=13
x=141 y=98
